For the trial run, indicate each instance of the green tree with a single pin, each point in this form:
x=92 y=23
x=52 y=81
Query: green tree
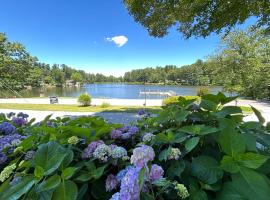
x=197 y=17
x=244 y=63
x=77 y=77
x=15 y=64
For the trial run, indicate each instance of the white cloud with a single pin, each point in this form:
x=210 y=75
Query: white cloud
x=119 y=40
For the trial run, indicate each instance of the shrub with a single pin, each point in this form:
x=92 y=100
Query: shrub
x=191 y=150
x=105 y=104
x=203 y=91
x=175 y=99
x=84 y=99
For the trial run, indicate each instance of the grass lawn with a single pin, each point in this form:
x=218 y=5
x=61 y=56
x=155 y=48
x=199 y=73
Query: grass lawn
x=76 y=108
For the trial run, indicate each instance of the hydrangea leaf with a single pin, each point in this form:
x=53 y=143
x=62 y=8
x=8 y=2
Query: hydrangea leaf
x=67 y=190
x=251 y=184
x=206 y=169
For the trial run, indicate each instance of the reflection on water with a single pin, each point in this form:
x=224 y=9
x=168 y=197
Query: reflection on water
x=120 y=91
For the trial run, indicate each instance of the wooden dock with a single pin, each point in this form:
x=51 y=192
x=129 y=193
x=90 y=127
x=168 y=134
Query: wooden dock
x=169 y=93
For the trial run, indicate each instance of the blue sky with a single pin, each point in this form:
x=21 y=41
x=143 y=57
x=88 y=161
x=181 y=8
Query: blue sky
x=80 y=33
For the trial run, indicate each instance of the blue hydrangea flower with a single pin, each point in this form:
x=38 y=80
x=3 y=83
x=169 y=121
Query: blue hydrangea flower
x=116 y=196
x=130 y=189
x=142 y=155
x=156 y=172
x=7 y=128
x=119 y=152
x=111 y=183
x=148 y=137
x=102 y=153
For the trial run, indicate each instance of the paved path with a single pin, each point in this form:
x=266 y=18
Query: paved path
x=118 y=117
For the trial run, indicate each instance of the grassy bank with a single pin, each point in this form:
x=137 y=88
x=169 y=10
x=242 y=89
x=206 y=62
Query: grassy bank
x=75 y=108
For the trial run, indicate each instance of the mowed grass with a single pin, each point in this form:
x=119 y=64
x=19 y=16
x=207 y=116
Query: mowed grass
x=76 y=108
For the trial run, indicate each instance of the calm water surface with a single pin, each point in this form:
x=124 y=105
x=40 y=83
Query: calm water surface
x=119 y=91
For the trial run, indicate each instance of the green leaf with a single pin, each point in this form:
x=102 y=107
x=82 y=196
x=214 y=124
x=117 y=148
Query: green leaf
x=84 y=177
x=258 y=114
x=49 y=156
x=229 y=164
x=228 y=192
x=191 y=143
x=16 y=191
x=206 y=169
x=251 y=184
x=68 y=159
x=50 y=183
x=175 y=169
x=67 y=190
x=162 y=182
x=199 y=129
x=268 y=126
x=146 y=196
x=82 y=191
x=208 y=105
x=164 y=154
x=141 y=177
x=228 y=110
x=251 y=160
x=68 y=173
x=98 y=172
x=231 y=142
x=39 y=172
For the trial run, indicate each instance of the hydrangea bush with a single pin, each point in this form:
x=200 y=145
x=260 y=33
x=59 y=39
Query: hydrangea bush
x=193 y=149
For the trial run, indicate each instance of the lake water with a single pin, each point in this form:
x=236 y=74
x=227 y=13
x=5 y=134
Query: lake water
x=119 y=91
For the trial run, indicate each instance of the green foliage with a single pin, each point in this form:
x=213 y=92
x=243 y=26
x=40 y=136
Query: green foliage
x=205 y=149
x=199 y=18
x=84 y=99
x=203 y=91
x=175 y=99
x=105 y=104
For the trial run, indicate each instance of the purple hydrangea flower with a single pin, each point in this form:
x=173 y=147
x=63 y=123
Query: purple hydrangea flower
x=130 y=189
x=113 y=146
x=142 y=155
x=3 y=158
x=116 y=134
x=89 y=150
x=11 y=114
x=122 y=173
x=141 y=112
x=124 y=133
x=115 y=196
x=22 y=115
x=111 y=183
x=19 y=121
x=156 y=172
x=7 y=128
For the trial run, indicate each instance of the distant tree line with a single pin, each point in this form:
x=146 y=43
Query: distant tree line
x=242 y=64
